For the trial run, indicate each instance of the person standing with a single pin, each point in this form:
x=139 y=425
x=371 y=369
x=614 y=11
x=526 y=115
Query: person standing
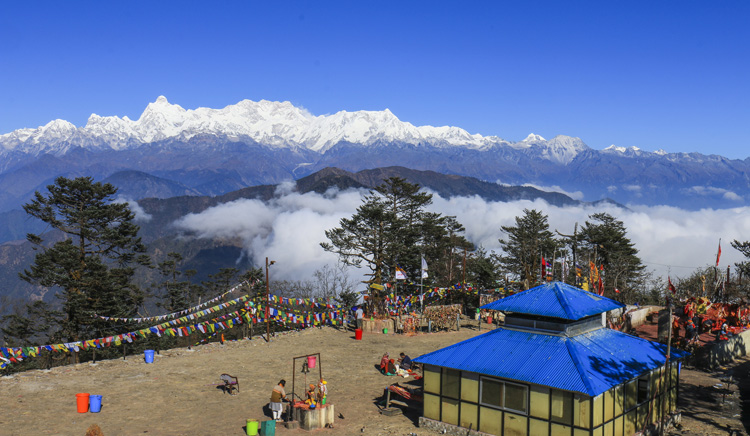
x=360 y=316
x=277 y=396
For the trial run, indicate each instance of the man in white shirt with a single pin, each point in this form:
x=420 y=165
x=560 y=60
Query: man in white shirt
x=359 y=315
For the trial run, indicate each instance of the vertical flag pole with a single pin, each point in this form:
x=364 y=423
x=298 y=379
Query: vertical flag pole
x=421 y=284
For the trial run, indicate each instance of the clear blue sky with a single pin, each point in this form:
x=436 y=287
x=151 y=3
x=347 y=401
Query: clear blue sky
x=672 y=75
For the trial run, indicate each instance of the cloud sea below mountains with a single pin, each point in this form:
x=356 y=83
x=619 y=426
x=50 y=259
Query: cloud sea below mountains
x=290 y=228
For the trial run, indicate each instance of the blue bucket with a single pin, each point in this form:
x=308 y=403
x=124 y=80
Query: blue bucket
x=149 y=356
x=95 y=403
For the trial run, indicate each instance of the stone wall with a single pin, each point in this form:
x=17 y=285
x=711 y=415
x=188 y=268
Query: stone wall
x=713 y=355
x=377 y=325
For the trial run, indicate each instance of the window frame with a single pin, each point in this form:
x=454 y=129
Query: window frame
x=503 y=407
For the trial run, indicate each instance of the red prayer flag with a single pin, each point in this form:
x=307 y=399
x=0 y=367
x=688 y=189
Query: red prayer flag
x=671 y=286
x=718 y=254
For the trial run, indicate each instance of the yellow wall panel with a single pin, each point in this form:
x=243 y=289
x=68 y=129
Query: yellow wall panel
x=559 y=430
x=619 y=400
x=431 y=406
x=538 y=427
x=629 y=424
x=597 y=431
x=515 y=425
x=618 y=426
x=539 y=402
x=642 y=415
x=470 y=386
x=431 y=377
x=450 y=411
x=609 y=405
x=598 y=410
x=579 y=432
x=491 y=421
x=469 y=416
x=609 y=429
x=582 y=411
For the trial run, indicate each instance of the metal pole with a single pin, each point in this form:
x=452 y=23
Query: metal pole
x=421 y=290
x=268 y=323
x=664 y=378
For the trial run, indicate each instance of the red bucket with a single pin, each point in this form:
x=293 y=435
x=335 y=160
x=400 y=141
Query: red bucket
x=311 y=360
x=82 y=402
x=358 y=334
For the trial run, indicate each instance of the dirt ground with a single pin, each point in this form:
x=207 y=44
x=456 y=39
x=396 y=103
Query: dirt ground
x=177 y=394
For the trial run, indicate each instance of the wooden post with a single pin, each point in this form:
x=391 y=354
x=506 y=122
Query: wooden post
x=663 y=422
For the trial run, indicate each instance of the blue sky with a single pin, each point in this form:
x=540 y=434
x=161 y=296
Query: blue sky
x=657 y=75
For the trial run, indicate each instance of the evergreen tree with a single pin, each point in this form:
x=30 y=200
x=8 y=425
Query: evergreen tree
x=527 y=242
x=177 y=294
x=94 y=262
x=608 y=246
x=392 y=227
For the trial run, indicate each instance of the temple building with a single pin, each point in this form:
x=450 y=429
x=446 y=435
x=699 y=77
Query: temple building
x=553 y=369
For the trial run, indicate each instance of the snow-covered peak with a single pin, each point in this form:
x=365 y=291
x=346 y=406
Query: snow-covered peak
x=622 y=150
x=533 y=138
x=274 y=124
x=563 y=149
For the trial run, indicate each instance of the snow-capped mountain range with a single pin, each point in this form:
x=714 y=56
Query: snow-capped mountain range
x=214 y=151
x=277 y=124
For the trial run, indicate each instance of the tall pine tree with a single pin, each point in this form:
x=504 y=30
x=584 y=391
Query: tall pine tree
x=527 y=242
x=93 y=261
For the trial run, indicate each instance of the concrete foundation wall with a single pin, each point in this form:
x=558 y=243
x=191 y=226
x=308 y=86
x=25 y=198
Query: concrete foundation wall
x=443 y=428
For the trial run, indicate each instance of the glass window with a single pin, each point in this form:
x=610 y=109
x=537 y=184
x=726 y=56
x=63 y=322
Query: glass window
x=451 y=379
x=516 y=397
x=631 y=394
x=492 y=392
x=562 y=406
x=643 y=390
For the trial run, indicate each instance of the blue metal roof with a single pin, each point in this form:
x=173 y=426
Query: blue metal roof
x=589 y=363
x=555 y=299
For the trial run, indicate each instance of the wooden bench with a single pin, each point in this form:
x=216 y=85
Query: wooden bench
x=230 y=383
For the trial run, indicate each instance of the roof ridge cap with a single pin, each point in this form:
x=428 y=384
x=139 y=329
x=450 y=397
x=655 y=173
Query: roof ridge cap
x=563 y=301
x=573 y=351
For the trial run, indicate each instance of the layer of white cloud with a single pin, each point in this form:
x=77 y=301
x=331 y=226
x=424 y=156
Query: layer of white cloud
x=712 y=191
x=290 y=228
